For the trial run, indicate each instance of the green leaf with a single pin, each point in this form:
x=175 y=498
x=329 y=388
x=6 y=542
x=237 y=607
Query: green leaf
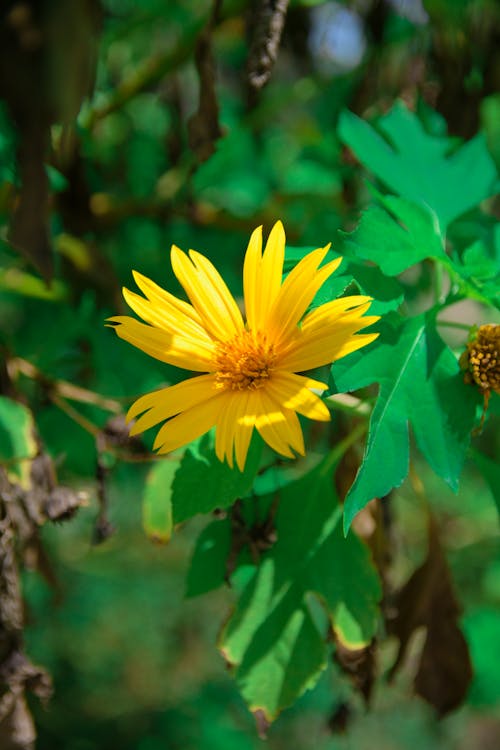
x=204 y=483
x=418 y=166
x=478 y=264
x=333 y=287
x=17 y=439
x=28 y=285
x=395 y=237
x=387 y=293
x=421 y=384
x=489 y=470
x=477 y=274
x=208 y=565
x=273 y=641
x=157 y=501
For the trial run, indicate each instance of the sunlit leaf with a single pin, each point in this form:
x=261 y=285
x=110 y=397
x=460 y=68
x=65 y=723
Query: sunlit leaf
x=395 y=236
x=157 y=501
x=273 y=640
x=203 y=483
x=208 y=565
x=420 y=384
x=17 y=439
x=419 y=166
x=28 y=285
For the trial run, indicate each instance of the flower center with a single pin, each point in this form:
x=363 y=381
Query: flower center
x=244 y=362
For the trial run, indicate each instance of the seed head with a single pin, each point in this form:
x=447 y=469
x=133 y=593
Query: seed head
x=481 y=359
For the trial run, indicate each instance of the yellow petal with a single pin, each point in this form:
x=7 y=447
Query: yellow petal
x=165 y=403
x=189 y=425
x=272 y=424
x=328 y=313
x=330 y=316
x=272 y=271
x=170 y=320
x=294 y=431
x=262 y=275
x=324 y=347
x=210 y=302
x=357 y=342
x=156 y=294
x=227 y=425
x=298 y=291
x=244 y=429
x=251 y=277
x=292 y=392
x=209 y=276
x=162 y=345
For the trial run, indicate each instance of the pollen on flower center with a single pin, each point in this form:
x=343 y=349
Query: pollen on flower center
x=244 y=362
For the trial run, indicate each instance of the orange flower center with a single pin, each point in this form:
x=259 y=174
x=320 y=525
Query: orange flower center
x=244 y=362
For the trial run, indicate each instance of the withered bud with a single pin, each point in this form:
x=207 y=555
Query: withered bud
x=481 y=362
x=481 y=359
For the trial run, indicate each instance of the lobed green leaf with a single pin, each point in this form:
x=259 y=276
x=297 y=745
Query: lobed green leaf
x=420 y=384
x=203 y=483
x=419 y=166
x=395 y=236
x=272 y=640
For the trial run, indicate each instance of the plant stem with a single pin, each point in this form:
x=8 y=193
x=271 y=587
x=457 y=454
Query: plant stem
x=339 y=449
x=349 y=404
x=454 y=324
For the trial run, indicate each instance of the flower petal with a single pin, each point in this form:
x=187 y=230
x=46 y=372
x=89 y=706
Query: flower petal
x=251 y=277
x=262 y=275
x=323 y=347
x=165 y=403
x=170 y=320
x=189 y=425
x=244 y=430
x=298 y=291
x=295 y=435
x=211 y=302
x=272 y=269
x=292 y=392
x=331 y=315
x=227 y=424
x=272 y=424
x=328 y=313
x=170 y=348
x=156 y=294
x=321 y=340
x=209 y=275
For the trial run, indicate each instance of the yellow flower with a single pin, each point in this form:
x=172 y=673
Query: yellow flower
x=250 y=368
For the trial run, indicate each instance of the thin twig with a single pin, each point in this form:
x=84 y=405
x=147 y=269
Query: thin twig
x=350 y=404
x=62 y=387
x=454 y=324
x=339 y=449
x=75 y=415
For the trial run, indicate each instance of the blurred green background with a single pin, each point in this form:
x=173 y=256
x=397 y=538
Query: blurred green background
x=134 y=663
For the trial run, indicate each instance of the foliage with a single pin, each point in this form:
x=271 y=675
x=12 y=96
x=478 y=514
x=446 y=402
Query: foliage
x=146 y=135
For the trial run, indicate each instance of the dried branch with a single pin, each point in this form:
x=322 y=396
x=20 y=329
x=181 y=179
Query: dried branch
x=266 y=26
